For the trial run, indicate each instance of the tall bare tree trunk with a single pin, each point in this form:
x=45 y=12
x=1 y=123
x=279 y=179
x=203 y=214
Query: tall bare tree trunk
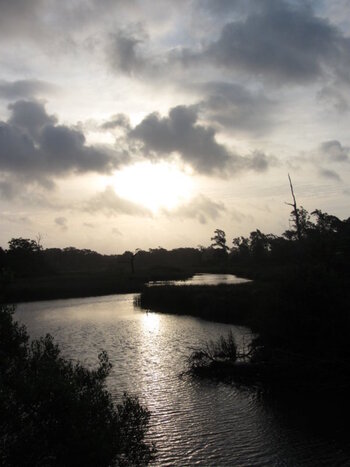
x=295 y=209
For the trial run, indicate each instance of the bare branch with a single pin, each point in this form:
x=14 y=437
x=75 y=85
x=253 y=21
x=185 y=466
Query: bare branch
x=295 y=209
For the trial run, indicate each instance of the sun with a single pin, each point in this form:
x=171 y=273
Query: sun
x=155 y=186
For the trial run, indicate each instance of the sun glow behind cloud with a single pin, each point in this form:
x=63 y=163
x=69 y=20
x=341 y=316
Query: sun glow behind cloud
x=154 y=186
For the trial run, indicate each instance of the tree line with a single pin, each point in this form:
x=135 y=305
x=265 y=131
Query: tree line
x=315 y=237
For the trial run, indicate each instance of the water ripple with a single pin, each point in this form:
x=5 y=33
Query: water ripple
x=193 y=422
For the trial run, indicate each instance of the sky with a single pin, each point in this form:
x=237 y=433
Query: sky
x=131 y=124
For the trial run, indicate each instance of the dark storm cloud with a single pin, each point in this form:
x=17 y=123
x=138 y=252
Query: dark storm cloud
x=280 y=42
x=25 y=88
x=35 y=148
x=29 y=117
x=277 y=41
x=111 y=204
x=180 y=133
x=236 y=108
x=335 y=152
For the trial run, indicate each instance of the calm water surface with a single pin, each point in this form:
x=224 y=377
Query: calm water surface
x=193 y=422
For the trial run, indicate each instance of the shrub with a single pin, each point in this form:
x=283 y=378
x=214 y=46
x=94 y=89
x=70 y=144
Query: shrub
x=211 y=353
x=57 y=413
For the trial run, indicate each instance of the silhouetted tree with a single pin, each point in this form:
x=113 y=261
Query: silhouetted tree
x=241 y=247
x=301 y=224
x=259 y=245
x=326 y=223
x=219 y=240
x=295 y=212
x=25 y=256
x=129 y=257
x=24 y=245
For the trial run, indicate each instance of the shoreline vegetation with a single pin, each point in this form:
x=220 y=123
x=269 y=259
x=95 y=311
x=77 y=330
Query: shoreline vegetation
x=56 y=412
x=79 y=285
x=297 y=305
x=301 y=340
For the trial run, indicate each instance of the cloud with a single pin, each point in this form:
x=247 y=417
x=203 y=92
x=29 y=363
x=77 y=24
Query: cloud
x=200 y=208
x=236 y=108
x=238 y=217
x=37 y=20
x=123 y=51
x=7 y=189
x=330 y=174
x=19 y=16
x=180 y=133
x=14 y=218
x=335 y=97
x=335 y=152
x=323 y=159
x=34 y=148
x=223 y=7
x=117 y=121
x=26 y=88
x=259 y=161
x=280 y=41
x=30 y=117
x=117 y=232
x=109 y=203
x=61 y=222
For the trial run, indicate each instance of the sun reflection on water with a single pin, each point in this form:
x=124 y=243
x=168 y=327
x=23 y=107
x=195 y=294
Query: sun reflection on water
x=150 y=322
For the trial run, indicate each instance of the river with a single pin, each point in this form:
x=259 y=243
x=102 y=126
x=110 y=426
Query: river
x=193 y=422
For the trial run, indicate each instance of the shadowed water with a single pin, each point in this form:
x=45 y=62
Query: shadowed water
x=193 y=422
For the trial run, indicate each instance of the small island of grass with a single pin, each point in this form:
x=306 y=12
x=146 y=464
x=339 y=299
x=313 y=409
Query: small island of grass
x=297 y=304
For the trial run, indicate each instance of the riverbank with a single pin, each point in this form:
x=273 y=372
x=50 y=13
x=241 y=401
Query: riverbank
x=231 y=304
x=211 y=420
x=301 y=320
x=80 y=284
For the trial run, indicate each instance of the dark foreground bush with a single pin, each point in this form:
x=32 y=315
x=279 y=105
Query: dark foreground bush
x=211 y=355
x=56 y=413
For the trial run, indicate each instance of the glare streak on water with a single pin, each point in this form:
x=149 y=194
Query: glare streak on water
x=204 y=279
x=193 y=422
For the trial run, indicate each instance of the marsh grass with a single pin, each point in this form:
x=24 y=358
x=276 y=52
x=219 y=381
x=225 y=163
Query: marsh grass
x=223 y=350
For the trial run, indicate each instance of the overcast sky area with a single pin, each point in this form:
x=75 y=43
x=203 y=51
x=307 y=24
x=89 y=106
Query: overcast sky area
x=131 y=124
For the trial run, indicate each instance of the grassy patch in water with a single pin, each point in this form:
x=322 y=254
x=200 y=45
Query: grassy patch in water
x=224 y=303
